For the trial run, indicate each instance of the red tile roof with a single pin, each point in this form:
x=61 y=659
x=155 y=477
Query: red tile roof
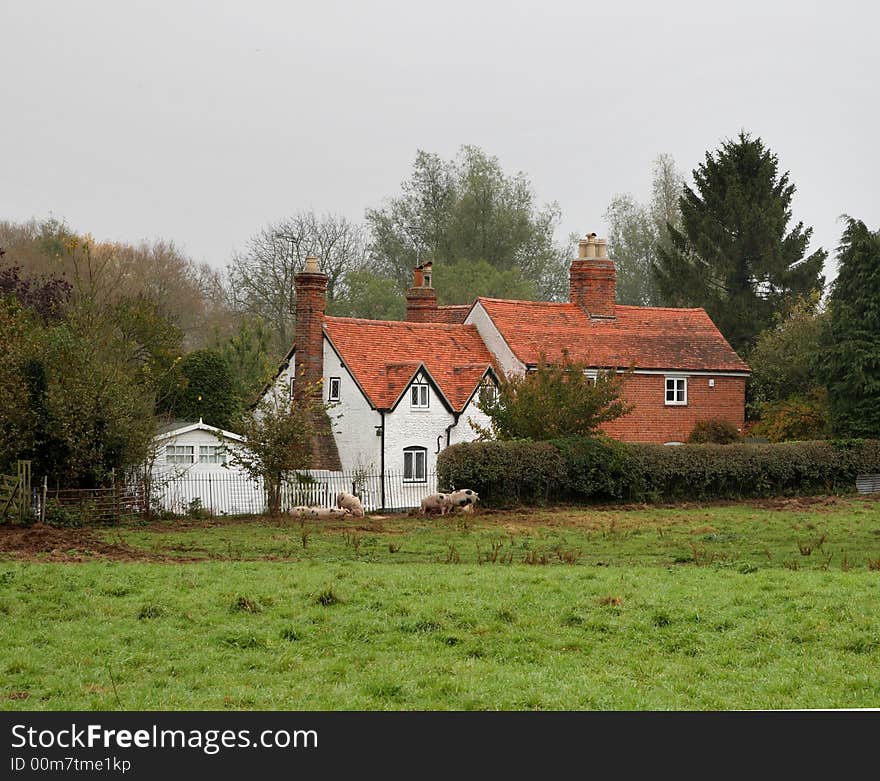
x=638 y=337
x=454 y=313
x=383 y=356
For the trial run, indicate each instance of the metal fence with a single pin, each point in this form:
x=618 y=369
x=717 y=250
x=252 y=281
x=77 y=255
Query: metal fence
x=76 y=506
x=237 y=494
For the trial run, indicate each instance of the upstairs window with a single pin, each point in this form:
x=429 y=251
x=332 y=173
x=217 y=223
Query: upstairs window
x=488 y=391
x=676 y=391
x=418 y=395
x=333 y=389
x=292 y=383
x=212 y=454
x=415 y=465
x=179 y=454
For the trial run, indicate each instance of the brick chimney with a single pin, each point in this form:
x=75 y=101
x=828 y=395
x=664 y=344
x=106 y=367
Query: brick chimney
x=310 y=285
x=592 y=278
x=421 y=298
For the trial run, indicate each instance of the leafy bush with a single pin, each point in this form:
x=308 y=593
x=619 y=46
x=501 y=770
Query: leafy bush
x=597 y=468
x=196 y=510
x=589 y=470
x=798 y=417
x=59 y=515
x=718 y=431
x=555 y=400
x=502 y=473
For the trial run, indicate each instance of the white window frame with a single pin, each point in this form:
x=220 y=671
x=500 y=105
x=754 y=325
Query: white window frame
x=180 y=454
x=413 y=453
x=676 y=390
x=334 y=383
x=212 y=454
x=419 y=395
x=292 y=386
x=488 y=388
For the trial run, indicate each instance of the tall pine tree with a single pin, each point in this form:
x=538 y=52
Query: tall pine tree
x=852 y=355
x=734 y=254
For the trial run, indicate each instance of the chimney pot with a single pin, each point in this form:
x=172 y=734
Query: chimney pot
x=312 y=264
x=592 y=278
x=421 y=298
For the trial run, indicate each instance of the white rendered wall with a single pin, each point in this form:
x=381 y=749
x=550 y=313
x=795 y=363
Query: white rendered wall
x=463 y=431
x=354 y=421
x=282 y=381
x=407 y=427
x=507 y=361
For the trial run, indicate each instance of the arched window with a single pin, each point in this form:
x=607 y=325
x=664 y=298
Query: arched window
x=415 y=465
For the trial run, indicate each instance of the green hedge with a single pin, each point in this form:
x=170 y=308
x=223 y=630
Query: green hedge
x=597 y=470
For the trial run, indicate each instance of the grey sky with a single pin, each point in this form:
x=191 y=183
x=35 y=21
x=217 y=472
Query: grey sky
x=202 y=121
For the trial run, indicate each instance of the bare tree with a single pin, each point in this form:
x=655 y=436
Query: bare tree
x=262 y=276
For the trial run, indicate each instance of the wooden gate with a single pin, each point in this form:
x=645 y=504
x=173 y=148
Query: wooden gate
x=15 y=494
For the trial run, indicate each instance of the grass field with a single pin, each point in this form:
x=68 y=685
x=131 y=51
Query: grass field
x=773 y=605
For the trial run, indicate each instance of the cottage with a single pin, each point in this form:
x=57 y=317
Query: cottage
x=403 y=391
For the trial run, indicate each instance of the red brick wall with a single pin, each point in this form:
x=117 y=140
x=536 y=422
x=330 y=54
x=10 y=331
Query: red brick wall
x=652 y=421
x=309 y=339
x=592 y=285
x=421 y=305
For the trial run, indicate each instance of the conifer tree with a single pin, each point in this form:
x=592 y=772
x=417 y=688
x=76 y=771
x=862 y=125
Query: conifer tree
x=852 y=351
x=734 y=254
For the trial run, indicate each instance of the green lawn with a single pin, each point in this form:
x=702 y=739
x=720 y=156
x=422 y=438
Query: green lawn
x=697 y=608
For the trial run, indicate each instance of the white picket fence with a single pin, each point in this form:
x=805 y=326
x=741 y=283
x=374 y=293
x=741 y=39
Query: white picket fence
x=236 y=494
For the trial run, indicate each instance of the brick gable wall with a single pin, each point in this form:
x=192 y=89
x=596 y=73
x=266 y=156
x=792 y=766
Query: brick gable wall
x=653 y=421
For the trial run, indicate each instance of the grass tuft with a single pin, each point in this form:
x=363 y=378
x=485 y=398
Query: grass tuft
x=327 y=597
x=149 y=611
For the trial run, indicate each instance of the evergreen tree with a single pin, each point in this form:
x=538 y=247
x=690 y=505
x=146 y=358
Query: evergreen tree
x=852 y=351
x=208 y=389
x=734 y=254
x=249 y=355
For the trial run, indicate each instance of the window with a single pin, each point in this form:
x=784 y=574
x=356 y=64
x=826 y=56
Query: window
x=212 y=454
x=415 y=461
x=676 y=391
x=488 y=391
x=333 y=393
x=292 y=383
x=179 y=454
x=418 y=395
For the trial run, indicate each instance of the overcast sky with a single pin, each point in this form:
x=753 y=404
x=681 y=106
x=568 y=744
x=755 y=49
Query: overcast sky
x=202 y=121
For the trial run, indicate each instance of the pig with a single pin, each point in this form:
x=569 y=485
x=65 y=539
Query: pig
x=319 y=513
x=350 y=502
x=463 y=500
x=326 y=513
x=436 y=503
